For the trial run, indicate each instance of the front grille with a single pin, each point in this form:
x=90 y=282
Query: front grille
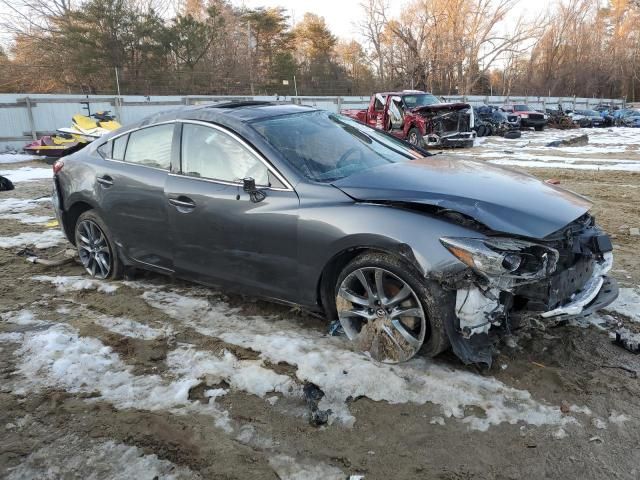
x=536 y=116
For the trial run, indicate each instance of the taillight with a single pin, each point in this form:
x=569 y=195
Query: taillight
x=57 y=166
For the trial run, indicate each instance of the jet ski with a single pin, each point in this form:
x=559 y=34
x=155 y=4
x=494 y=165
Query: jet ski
x=56 y=145
x=92 y=126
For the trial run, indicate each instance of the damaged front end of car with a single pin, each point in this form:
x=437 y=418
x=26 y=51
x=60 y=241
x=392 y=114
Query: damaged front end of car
x=448 y=124
x=511 y=281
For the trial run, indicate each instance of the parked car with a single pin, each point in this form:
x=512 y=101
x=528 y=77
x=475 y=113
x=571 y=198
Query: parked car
x=632 y=119
x=420 y=118
x=490 y=120
x=587 y=118
x=529 y=117
x=410 y=251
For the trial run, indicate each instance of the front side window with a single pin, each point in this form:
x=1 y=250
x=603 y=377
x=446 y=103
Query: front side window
x=150 y=147
x=211 y=153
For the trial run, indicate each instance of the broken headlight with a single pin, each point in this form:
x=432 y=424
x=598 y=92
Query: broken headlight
x=505 y=257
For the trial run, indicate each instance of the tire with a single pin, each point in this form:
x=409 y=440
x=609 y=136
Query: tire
x=96 y=249
x=414 y=137
x=437 y=304
x=511 y=134
x=539 y=129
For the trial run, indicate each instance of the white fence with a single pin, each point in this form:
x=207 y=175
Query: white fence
x=27 y=117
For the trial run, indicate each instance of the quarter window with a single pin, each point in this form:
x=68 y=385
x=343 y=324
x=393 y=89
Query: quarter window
x=210 y=153
x=150 y=147
x=119 y=145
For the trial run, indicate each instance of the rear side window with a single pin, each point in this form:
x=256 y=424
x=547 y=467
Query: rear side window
x=150 y=147
x=210 y=153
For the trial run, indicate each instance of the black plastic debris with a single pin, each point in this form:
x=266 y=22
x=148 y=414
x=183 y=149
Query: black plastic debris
x=5 y=184
x=628 y=340
x=335 y=328
x=312 y=395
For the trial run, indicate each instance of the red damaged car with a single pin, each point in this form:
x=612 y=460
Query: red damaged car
x=420 y=118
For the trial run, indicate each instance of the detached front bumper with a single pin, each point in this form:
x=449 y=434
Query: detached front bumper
x=598 y=292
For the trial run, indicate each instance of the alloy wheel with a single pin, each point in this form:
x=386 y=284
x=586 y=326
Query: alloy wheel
x=382 y=314
x=93 y=249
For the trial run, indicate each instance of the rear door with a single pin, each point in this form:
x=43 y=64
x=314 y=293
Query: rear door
x=131 y=192
x=222 y=235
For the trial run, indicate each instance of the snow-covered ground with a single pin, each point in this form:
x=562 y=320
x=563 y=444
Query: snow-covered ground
x=608 y=149
x=17 y=158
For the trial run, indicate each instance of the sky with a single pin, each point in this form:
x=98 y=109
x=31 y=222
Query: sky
x=343 y=16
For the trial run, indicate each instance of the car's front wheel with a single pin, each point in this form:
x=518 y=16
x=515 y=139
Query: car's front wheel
x=387 y=310
x=95 y=247
x=414 y=137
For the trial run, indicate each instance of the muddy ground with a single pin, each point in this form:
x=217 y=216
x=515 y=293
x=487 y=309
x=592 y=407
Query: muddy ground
x=57 y=429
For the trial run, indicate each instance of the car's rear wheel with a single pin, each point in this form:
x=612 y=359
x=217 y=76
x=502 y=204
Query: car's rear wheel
x=387 y=310
x=95 y=247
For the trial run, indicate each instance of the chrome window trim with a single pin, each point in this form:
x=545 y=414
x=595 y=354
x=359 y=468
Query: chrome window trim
x=122 y=134
x=252 y=151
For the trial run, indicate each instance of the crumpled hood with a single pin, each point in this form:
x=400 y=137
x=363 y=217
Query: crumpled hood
x=504 y=200
x=441 y=107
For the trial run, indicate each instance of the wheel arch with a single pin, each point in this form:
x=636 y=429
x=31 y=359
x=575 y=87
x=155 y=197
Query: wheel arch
x=334 y=265
x=72 y=214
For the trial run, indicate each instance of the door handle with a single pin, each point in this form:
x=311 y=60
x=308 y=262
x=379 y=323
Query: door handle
x=105 y=181
x=183 y=202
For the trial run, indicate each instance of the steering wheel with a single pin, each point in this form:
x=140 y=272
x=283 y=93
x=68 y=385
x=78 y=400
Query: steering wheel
x=346 y=155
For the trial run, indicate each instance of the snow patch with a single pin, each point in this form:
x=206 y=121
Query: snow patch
x=323 y=361
x=14 y=205
x=74 y=283
x=131 y=328
x=72 y=456
x=27 y=174
x=21 y=317
x=13 y=337
x=246 y=375
x=46 y=239
x=25 y=218
x=287 y=468
x=627 y=304
x=7 y=158
x=59 y=357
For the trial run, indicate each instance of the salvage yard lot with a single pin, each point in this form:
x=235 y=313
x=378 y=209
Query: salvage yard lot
x=153 y=377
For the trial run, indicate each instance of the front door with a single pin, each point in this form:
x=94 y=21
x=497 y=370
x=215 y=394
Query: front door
x=221 y=234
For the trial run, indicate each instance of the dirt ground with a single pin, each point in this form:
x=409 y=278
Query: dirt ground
x=59 y=429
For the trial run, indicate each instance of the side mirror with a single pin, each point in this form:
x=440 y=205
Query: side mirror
x=249 y=186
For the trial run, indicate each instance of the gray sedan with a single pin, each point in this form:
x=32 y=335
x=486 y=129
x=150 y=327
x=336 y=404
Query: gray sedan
x=409 y=251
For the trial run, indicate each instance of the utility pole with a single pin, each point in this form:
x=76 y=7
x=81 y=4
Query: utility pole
x=250 y=58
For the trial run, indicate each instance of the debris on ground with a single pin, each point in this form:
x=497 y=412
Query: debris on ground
x=578 y=141
x=5 y=184
x=312 y=395
x=634 y=232
x=335 y=328
x=627 y=339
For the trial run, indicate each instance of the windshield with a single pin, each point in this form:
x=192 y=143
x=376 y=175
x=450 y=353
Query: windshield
x=325 y=147
x=522 y=108
x=420 y=100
